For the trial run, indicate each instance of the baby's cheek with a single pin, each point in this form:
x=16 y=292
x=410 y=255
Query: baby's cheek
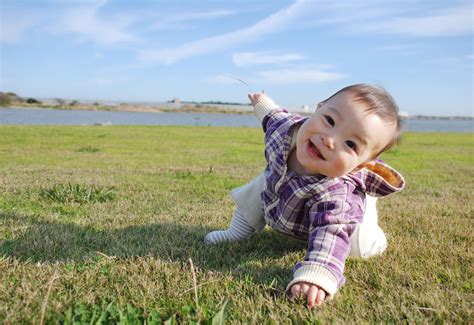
x=342 y=166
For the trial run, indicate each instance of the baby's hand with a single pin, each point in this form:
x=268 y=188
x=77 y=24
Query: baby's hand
x=313 y=294
x=256 y=97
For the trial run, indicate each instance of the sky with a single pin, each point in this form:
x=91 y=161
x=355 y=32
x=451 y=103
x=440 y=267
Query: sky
x=298 y=51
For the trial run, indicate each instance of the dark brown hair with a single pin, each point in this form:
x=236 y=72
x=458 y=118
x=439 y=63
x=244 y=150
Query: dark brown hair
x=379 y=102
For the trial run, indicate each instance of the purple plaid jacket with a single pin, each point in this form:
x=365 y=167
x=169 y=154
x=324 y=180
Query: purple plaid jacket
x=320 y=209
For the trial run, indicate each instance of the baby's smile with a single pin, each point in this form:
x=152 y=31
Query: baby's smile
x=313 y=151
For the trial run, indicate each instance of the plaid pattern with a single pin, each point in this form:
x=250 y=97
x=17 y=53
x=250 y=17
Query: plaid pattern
x=320 y=209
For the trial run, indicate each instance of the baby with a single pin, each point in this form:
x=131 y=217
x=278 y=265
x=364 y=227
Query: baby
x=320 y=169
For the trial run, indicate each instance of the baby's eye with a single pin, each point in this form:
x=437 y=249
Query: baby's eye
x=329 y=119
x=351 y=144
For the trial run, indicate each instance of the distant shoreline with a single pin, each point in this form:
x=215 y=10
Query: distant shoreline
x=148 y=108
x=176 y=105
x=186 y=108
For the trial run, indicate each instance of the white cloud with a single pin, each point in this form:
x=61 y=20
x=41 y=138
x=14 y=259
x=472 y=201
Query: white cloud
x=387 y=18
x=15 y=24
x=81 y=20
x=204 y=15
x=178 y=21
x=271 y=24
x=349 y=12
x=400 y=49
x=297 y=75
x=403 y=17
x=85 y=22
x=12 y=30
x=448 y=22
x=254 y=58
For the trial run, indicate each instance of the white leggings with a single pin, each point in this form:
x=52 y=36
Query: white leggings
x=367 y=240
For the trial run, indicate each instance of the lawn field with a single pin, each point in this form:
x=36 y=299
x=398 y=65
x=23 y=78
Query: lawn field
x=99 y=224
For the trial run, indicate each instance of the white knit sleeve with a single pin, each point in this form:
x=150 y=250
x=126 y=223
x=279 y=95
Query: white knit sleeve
x=263 y=107
x=316 y=275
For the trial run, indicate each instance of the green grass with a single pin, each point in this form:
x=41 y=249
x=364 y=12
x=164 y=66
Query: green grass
x=97 y=224
x=77 y=193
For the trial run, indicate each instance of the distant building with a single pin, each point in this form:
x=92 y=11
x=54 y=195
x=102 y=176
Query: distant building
x=176 y=101
x=403 y=114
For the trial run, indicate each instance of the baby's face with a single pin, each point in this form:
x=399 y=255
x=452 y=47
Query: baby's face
x=340 y=137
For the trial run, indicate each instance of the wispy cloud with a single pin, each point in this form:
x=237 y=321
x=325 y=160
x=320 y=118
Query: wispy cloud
x=255 y=58
x=203 y=15
x=400 y=49
x=271 y=24
x=297 y=76
x=346 y=13
x=448 y=22
x=12 y=30
x=179 y=21
x=402 y=17
x=14 y=25
x=84 y=21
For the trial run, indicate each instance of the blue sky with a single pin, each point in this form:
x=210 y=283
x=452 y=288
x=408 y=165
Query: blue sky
x=298 y=51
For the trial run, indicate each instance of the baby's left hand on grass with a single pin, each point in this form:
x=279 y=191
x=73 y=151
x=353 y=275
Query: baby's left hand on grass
x=313 y=294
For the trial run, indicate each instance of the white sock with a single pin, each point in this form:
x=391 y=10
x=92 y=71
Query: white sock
x=239 y=229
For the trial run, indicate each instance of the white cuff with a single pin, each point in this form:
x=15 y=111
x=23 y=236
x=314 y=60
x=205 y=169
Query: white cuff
x=263 y=107
x=317 y=275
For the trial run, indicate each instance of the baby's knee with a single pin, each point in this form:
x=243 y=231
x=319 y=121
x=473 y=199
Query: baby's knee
x=368 y=240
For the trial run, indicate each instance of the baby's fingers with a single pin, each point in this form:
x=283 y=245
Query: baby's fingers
x=312 y=296
x=254 y=98
x=295 y=290
x=320 y=297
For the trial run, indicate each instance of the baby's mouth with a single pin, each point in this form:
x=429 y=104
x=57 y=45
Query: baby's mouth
x=313 y=151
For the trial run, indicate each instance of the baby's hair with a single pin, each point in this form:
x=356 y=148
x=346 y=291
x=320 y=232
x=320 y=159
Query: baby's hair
x=379 y=102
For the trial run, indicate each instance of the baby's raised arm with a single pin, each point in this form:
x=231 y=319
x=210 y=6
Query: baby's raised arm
x=262 y=104
x=256 y=97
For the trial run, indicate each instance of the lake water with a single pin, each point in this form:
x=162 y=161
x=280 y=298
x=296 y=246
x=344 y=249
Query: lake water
x=73 y=117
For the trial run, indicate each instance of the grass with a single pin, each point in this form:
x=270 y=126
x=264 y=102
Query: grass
x=97 y=224
x=77 y=193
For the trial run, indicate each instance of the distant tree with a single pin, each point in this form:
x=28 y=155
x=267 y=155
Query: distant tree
x=74 y=103
x=9 y=98
x=5 y=99
x=60 y=101
x=33 y=101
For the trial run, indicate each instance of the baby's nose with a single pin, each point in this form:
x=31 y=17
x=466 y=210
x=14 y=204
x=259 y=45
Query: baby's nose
x=328 y=142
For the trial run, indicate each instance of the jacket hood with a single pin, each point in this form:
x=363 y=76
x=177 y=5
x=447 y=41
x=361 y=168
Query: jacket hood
x=379 y=180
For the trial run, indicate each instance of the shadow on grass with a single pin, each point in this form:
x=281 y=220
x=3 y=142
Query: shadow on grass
x=45 y=241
